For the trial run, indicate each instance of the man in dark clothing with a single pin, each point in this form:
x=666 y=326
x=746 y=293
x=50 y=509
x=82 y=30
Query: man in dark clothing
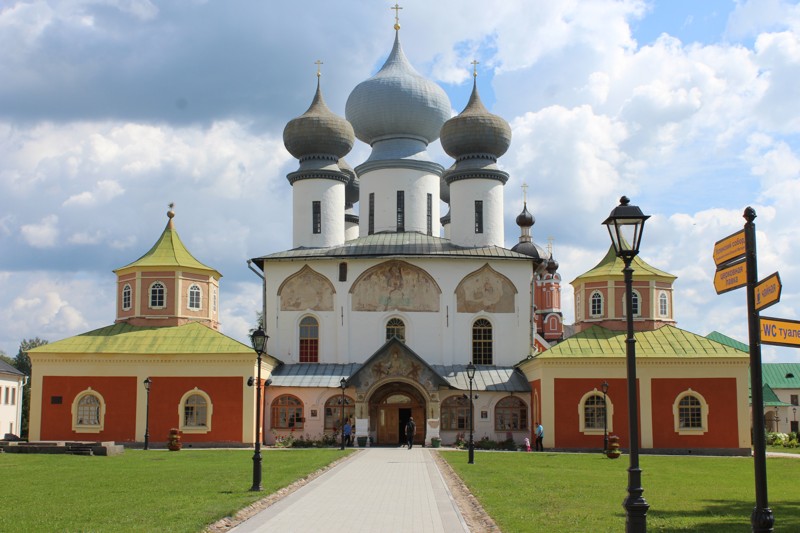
x=411 y=429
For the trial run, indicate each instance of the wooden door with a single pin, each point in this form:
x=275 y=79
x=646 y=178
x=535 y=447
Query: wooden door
x=388 y=423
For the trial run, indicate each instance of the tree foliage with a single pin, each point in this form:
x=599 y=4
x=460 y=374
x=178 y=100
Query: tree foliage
x=23 y=363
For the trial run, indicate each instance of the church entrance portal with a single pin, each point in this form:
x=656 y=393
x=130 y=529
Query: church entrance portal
x=390 y=407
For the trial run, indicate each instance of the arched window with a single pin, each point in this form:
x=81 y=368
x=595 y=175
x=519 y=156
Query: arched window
x=482 y=342
x=635 y=299
x=455 y=412
x=333 y=411
x=309 y=340
x=395 y=327
x=214 y=301
x=594 y=412
x=690 y=411
x=194 y=297
x=158 y=295
x=88 y=412
x=195 y=412
x=663 y=304
x=596 y=304
x=511 y=414
x=126 y=297
x=287 y=412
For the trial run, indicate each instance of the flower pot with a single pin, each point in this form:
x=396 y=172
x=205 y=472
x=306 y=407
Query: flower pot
x=613 y=447
x=174 y=440
x=435 y=443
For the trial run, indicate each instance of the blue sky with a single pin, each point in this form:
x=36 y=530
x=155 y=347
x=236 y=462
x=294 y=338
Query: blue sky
x=111 y=109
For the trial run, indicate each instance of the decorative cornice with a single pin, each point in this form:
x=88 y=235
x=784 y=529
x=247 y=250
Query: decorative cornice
x=458 y=175
x=317 y=175
x=428 y=166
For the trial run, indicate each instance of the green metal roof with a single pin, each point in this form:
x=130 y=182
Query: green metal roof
x=781 y=375
x=770 y=398
x=395 y=244
x=666 y=341
x=716 y=336
x=610 y=267
x=122 y=338
x=170 y=252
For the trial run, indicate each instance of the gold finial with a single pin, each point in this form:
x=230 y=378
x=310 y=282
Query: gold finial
x=524 y=192
x=318 y=63
x=475 y=64
x=397 y=9
x=171 y=213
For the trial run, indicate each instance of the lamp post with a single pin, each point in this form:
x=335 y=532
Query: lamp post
x=342 y=385
x=625 y=225
x=147 y=382
x=604 y=387
x=259 y=340
x=471 y=376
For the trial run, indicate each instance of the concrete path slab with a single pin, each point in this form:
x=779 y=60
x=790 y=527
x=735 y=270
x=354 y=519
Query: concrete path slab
x=380 y=489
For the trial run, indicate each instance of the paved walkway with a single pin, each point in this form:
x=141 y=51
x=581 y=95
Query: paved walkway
x=380 y=489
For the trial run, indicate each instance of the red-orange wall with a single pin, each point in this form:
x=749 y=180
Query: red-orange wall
x=568 y=394
x=719 y=393
x=119 y=394
x=225 y=394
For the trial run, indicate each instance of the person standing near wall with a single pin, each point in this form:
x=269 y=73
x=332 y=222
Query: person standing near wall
x=411 y=429
x=539 y=437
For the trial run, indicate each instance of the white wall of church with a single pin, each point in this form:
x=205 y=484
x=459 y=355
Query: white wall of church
x=330 y=194
x=463 y=194
x=440 y=337
x=384 y=184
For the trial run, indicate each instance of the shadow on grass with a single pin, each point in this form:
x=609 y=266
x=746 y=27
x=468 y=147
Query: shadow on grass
x=787 y=517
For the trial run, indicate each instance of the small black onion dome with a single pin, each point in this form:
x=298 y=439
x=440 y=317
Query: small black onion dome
x=475 y=131
x=318 y=131
x=552 y=265
x=525 y=219
x=532 y=250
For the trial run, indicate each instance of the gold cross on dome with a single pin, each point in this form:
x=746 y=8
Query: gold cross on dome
x=550 y=241
x=524 y=192
x=397 y=9
x=318 y=63
x=475 y=64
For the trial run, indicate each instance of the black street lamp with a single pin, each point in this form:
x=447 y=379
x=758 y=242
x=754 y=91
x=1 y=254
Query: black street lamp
x=343 y=386
x=625 y=225
x=471 y=376
x=259 y=340
x=147 y=382
x=604 y=387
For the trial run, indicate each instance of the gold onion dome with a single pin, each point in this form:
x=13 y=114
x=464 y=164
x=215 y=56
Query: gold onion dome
x=318 y=131
x=475 y=131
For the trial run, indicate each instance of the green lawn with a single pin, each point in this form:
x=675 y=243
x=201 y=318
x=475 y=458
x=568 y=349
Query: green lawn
x=141 y=491
x=583 y=492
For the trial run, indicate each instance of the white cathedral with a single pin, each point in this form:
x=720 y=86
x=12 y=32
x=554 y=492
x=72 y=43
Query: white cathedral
x=377 y=313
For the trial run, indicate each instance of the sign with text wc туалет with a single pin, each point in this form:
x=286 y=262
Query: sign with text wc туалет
x=780 y=332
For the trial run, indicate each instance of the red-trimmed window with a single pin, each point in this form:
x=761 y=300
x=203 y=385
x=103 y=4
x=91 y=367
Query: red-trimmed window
x=309 y=340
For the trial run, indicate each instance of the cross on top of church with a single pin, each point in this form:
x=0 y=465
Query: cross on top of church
x=524 y=192
x=397 y=9
x=318 y=63
x=550 y=241
x=475 y=64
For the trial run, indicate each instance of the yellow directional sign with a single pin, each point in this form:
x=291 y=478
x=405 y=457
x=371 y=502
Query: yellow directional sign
x=730 y=248
x=768 y=291
x=730 y=277
x=780 y=332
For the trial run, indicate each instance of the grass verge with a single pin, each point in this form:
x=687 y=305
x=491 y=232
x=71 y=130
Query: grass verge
x=583 y=492
x=142 y=490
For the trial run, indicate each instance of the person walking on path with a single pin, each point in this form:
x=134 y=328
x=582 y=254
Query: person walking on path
x=348 y=433
x=411 y=429
x=539 y=437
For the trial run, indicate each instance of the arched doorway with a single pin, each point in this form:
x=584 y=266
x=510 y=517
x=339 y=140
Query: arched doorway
x=390 y=407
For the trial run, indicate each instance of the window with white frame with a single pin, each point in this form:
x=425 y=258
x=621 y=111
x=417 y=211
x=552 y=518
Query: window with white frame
x=158 y=295
x=88 y=412
x=635 y=303
x=690 y=412
x=194 y=297
x=126 y=297
x=663 y=304
x=595 y=413
x=395 y=327
x=596 y=304
x=195 y=411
